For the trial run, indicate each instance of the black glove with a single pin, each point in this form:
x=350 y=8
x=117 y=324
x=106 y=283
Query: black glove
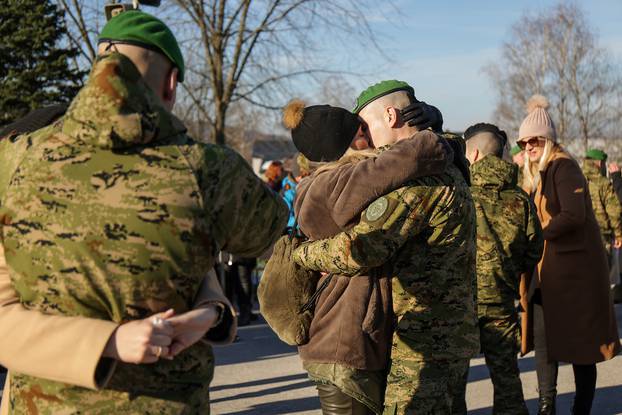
x=423 y=116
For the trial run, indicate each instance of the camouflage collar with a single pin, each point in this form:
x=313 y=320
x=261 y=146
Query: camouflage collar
x=491 y=171
x=590 y=170
x=116 y=109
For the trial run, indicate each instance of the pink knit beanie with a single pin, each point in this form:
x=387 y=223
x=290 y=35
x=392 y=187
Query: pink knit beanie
x=538 y=123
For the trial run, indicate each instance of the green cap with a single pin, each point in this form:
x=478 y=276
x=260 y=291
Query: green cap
x=138 y=28
x=596 y=154
x=379 y=90
x=515 y=150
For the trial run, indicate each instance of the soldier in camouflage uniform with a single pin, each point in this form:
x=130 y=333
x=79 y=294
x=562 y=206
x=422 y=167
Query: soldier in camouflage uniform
x=606 y=205
x=114 y=213
x=509 y=243
x=422 y=234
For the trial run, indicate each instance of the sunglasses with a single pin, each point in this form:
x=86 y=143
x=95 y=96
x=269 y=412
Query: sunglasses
x=533 y=142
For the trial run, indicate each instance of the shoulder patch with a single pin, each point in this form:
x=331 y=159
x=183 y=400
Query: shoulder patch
x=377 y=209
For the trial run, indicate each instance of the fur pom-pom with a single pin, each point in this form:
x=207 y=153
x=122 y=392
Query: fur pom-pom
x=293 y=113
x=537 y=101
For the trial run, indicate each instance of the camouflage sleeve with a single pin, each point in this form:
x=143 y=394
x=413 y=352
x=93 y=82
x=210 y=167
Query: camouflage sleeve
x=384 y=227
x=535 y=240
x=12 y=151
x=249 y=216
x=614 y=209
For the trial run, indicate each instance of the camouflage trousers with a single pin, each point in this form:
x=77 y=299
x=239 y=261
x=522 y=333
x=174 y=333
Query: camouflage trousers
x=500 y=341
x=423 y=387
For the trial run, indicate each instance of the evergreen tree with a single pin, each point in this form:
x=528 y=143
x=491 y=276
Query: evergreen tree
x=34 y=58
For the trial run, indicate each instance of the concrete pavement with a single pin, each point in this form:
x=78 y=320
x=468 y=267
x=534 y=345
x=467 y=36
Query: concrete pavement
x=261 y=375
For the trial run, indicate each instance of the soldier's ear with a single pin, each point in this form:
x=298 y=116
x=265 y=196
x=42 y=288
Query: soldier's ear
x=169 y=94
x=393 y=117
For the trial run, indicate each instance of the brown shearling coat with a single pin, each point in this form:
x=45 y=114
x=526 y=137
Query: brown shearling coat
x=579 y=318
x=353 y=324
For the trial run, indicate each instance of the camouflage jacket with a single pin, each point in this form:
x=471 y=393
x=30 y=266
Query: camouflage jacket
x=423 y=235
x=114 y=213
x=509 y=235
x=607 y=208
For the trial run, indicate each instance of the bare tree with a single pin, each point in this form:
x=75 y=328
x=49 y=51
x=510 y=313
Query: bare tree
x=242 y=53
x=255 y=51
x=337 y=91
x=556 y=54
x=83 y=21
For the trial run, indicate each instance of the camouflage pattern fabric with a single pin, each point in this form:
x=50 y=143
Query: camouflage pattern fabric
x=366 y=386
x=423 y=235
x=500 y=338
x=113 y=212
x=607 y=208
x=426 y=387
x=509 y=242
x=509 y=235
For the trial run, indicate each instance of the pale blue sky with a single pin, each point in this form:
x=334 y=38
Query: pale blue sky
x=441 y=47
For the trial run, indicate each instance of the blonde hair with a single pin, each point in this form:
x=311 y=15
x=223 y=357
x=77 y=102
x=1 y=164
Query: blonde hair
x=350 y=156
x=531 y=170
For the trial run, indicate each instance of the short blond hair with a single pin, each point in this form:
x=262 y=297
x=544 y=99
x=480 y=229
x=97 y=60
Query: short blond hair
x=375 y=109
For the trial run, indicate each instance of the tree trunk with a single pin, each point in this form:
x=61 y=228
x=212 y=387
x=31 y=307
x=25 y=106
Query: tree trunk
x=218 y=129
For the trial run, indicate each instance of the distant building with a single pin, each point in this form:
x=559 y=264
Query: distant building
x=267 y=147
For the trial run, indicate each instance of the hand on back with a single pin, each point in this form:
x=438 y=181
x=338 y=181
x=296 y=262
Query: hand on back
x=162 y=335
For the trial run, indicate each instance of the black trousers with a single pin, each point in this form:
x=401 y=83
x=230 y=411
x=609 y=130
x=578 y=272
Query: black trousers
x=239 y=286
x=335 y=402
x=584 y=375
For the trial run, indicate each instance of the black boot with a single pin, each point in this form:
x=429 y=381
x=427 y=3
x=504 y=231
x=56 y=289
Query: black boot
x=546 y=406
x=579 y=410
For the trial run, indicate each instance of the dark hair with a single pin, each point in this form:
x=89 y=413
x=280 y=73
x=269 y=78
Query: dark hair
x=489 y=128
x=485 y=127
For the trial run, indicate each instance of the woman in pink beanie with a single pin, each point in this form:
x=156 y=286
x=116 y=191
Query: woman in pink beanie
x=573 y=319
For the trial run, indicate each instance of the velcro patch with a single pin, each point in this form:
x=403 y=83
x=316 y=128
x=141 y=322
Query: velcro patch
x=380 y=209
x=377 y=209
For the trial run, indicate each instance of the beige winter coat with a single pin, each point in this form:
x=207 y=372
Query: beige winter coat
x=68 y=349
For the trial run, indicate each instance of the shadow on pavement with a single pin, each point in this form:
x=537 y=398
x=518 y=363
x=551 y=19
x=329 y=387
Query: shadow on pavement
x=264 y=392
x=525 y=365
x=607 y=401
x=480 y=372
x=264 y=344
x=281 y=407
x=260 y=382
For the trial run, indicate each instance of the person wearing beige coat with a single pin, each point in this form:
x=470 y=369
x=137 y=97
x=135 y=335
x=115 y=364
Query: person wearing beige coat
x=71 y=349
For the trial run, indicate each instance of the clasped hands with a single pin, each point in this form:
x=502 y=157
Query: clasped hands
x=163 y=335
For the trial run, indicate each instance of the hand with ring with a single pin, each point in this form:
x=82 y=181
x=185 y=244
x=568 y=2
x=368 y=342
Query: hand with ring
x=142 y=341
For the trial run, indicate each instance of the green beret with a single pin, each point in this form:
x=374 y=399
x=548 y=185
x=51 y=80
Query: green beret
x=515 y=150
x=596 y=154
x=379 y=90
x=135 y=27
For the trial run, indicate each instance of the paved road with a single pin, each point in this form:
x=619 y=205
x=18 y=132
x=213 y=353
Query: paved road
x=261 y=375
